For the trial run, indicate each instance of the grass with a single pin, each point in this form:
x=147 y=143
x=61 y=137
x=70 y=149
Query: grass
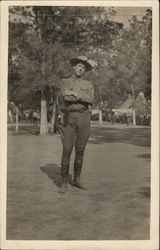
x=116 y=170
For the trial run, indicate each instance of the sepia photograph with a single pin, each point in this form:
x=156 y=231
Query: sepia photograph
x=80 y=110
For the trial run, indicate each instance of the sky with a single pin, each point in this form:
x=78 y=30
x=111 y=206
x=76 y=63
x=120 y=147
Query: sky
x=125 y=13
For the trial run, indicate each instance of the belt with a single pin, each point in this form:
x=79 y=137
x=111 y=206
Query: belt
x=78 y=110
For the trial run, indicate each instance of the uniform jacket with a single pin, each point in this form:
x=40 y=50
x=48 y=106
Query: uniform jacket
x=75 y=93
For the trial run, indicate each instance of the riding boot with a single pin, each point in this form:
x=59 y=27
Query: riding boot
x=77 y=182
x=63 y=188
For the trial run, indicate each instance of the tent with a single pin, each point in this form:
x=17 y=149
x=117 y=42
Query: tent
x=128 y=103
x=141 y=105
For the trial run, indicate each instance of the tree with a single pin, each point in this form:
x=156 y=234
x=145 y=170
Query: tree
x=48 y=40
x=133 y=48
x=44 y=38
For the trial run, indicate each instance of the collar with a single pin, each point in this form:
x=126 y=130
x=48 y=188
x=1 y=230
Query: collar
x=75 y=78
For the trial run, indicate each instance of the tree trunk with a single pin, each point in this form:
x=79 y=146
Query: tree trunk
x=99 y=89
x=44 y=122
x=100 y=108
x=134 y=117
x=100 y=116
x=10 y=116
x=100 y=104
x=16 y=129
x=53 y=119
x=134 y=111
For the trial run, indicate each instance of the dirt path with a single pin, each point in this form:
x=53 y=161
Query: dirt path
x=115 y=206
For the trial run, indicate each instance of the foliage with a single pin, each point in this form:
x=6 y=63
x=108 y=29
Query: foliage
x=43 y=39
x=134 y=55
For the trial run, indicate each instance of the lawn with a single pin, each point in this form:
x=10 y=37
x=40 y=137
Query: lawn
x=116 y=170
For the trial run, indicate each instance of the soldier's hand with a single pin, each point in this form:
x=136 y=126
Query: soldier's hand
x=70 y=92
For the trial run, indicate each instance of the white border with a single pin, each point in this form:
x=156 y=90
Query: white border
x=151 y=244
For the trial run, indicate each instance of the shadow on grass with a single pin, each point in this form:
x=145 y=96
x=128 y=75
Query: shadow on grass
x=145 y=191
x=54 y=173
x=135 y=136
x=145 y=156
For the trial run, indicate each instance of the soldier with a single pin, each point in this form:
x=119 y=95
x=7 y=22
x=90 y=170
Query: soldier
x=75 y=98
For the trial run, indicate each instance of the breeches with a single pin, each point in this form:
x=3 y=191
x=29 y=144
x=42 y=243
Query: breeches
x=74 y=133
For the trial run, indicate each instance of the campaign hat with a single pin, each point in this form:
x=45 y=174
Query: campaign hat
x=81 y=59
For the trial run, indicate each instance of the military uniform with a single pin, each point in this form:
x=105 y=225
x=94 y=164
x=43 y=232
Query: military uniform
x=76 y=121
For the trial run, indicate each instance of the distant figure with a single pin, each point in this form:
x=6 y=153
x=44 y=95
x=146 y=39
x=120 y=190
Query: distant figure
x=27 y=113
x=109 y=118
x=128 y=118
x=148 y=119
x=36 y=117
x=113 y=118
x=141 y=117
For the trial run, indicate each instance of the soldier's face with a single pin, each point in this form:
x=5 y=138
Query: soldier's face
x=79 y=69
